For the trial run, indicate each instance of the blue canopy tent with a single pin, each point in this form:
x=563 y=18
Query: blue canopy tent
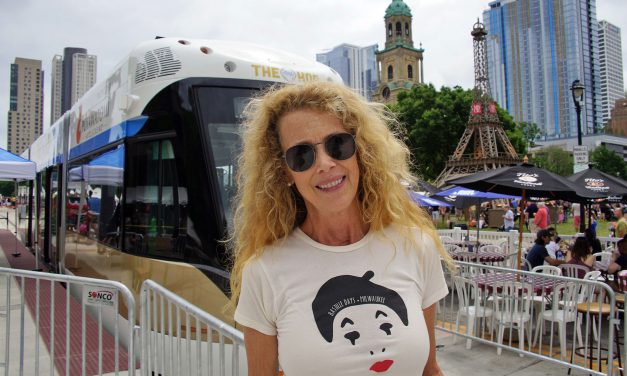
x=15 y=168
x=465 y=197
x=426 y=201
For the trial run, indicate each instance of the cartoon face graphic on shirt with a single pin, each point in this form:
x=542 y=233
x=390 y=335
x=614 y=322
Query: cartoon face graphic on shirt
x=353 y=311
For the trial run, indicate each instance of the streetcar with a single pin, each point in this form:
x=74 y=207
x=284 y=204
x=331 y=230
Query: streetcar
x=136 y=180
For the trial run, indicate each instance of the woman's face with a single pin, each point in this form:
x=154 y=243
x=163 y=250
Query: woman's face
x=329 y=186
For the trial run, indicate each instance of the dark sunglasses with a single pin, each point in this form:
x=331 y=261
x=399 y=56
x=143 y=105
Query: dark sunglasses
x=339 y=146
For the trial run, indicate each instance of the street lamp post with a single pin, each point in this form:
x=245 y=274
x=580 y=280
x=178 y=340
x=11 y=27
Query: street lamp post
x=577 y=90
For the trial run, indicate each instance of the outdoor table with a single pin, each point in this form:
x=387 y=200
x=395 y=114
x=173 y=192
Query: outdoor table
x=484 y=257
x=542 y=285
x=468 y=245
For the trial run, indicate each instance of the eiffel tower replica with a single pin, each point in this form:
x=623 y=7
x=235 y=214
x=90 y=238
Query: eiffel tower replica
x=484 y=144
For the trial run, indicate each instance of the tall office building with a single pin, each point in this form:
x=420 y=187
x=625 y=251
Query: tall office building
x=56 y=87
x=72 y=75
x=536 y=49
x=611 y=68
x=26 y=98
x=356 y=65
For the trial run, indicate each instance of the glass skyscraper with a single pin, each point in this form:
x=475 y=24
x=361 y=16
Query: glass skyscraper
x=611 y=63
x=356 y=65
x=536 y=49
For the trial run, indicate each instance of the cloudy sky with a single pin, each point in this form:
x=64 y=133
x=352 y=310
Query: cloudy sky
x=39 y=29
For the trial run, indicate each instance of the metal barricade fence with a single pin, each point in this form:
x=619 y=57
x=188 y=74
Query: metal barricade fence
x=77 y=319
x=178 y=338
x=569 y=321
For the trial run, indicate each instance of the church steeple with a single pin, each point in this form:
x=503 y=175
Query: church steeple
x=399 y=64
x=398 y=25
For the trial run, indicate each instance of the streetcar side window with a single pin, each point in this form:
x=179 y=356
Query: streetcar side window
x=155 y=212
x=221 y=110
x=93 y=196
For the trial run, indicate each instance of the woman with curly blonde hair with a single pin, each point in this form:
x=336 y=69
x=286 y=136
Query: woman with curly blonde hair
x=336 y=271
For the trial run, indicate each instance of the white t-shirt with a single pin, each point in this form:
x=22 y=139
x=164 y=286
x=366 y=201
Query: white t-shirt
x=346 y=310
x=508 y=219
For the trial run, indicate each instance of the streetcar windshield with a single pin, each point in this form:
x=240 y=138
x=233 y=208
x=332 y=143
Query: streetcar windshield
x=221 y=111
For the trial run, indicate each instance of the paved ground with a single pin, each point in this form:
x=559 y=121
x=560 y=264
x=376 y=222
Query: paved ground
x=455 y=360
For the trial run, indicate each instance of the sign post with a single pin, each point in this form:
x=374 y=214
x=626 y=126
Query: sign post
x=580 y=158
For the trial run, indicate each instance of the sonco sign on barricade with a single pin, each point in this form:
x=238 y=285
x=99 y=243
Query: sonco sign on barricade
x=48 y=314
x=99 y=296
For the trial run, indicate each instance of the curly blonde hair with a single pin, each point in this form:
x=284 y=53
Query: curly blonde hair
x=268 y=209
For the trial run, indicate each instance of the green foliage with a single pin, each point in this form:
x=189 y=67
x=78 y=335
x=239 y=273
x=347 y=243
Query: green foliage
x=554 y=159
x=608 y=161
x=530 y=132
x=7 y=188
x=434 y=122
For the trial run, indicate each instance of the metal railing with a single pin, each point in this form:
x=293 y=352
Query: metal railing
x=178 y=338
x=77 y=319
x=568 y=321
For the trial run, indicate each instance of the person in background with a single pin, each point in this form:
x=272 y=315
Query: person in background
x=581 y=255
x=336 y=270
x=619 y=257
x=575 y=208
x=621 y=225
x=530 y=213
x=593 y=241
x=538 y=254
x=508 y=219
x=552 y=246
x=541 y=220
x=560 y=214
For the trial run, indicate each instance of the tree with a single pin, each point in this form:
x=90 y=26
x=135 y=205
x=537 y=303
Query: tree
x=434 y=121
x=554 y=159
x=609 y=162
x=530 y=132
x=7 y=188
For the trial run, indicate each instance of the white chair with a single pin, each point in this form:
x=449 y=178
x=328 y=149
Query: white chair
x=525 y=264
x=512 y=305
x=602 y=260
x=504 y=244
x=547 y=269
x=451 y=249
x=446 y=239
x=469 y=297
x=566 y=294
x=469 y=257
x=573 y=270
x=511 y=261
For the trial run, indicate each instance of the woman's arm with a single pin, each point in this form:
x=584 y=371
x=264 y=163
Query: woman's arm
x=589 y=261
x=431 y=368
x=262 y=353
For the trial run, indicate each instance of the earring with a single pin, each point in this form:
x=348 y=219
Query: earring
x=290 y=184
